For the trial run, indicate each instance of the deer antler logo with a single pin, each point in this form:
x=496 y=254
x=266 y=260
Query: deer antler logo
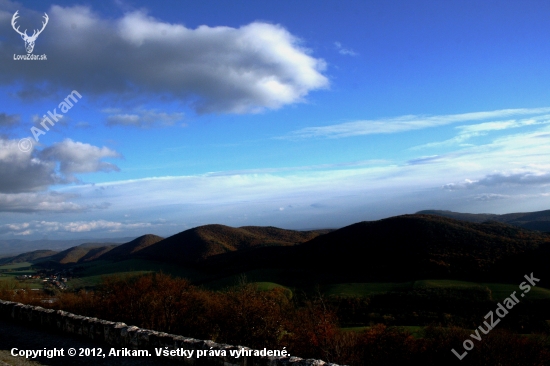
x=29 y=41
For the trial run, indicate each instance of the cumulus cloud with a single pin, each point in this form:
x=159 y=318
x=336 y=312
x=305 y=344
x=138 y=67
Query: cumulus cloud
x=144 y=119
x=77 y=157
x=22 y=171
x=211 y=69
x=34 y=171
x=26 y=176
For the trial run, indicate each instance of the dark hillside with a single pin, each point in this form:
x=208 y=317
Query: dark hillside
x=539 y=220
x=400 y=248
x=421 y=245
x=81 y=253
x=476 y=218
x=28 y=257
x=199 y=243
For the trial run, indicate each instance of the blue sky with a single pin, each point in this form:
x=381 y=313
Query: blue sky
x=293 y=114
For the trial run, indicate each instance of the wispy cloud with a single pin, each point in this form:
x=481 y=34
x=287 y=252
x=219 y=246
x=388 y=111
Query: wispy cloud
x=143 y=118
x=484 y=197
x=344 y=51
x=467 y=132
x=424 y=160
x=402 y=124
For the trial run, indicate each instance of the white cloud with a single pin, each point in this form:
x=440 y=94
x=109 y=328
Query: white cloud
x=43 y=227
x=22 y=171
x=77 y=157
x=503 y=125
x=211 y=69
x=402 y=124
x=513 y=178
x=344 y=51
x=467 y=132
x=48 y=202
x=26 y=176
x=510 y=172
x=490 y=197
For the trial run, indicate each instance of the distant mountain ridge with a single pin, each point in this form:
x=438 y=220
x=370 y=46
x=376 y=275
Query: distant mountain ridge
x=12 y=247
x=397 y=248
x=189 y=246
x=539 y=220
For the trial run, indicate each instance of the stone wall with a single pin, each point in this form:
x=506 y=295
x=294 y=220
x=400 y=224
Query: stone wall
x=123 y=336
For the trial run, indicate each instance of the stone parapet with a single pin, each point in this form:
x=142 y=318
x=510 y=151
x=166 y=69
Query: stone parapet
x=131 y=337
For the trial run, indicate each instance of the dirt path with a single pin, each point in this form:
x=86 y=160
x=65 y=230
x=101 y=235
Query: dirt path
x=24 y=338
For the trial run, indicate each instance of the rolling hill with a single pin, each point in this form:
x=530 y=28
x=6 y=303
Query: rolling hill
x=539 y=220
x=28 y=257
x=127 y=250
x=202 y=242
x=82 y=253
x=13 y=247
x=401 y=248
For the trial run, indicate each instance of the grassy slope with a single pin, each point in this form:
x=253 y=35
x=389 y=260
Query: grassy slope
x=90 y=274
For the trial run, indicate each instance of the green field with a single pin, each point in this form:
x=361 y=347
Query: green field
x=4 y=278
x=499 y=291
x=92 y=281
x=8 y=273
x=20 y=266
x=453 y=284
x=11 y=282
x=365 y=289
x=20 y=273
